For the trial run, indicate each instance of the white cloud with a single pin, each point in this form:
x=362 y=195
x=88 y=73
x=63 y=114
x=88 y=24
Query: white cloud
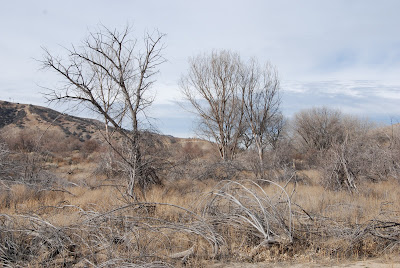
x=341 y=52
x=166 y=93
x=374 y=99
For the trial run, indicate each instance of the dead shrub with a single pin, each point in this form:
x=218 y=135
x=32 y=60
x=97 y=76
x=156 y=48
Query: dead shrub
x=190 y=151
x=21 y=139
x=241 y=209
x=89 y=147
x=355 y=160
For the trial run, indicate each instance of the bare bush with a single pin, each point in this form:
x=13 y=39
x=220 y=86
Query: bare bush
x=317 y=129
x=90 y=146
x=246 y=207
x=345 y=148
x=338 y=238
x=25 y=165
x=24 y=140
x=3 y=152
x=24 y=161
x=129 y=236
x=191 y=151
x=393 y=148
x=273 y=158
x=358 y=157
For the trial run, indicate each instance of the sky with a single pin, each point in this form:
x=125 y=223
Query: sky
x=343 y=54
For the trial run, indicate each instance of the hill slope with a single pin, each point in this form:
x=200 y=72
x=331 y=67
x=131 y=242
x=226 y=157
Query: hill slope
x=27 y=116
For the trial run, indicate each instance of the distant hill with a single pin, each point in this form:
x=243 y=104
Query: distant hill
x=16 y=116
x=27 y=116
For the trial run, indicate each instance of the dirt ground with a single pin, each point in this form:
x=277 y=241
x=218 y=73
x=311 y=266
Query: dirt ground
x=393 y=263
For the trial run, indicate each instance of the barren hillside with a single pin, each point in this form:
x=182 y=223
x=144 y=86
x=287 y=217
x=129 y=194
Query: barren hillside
x=32 y=117
x=27 y=116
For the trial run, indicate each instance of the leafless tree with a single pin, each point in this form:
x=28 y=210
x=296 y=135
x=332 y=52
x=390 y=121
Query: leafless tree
x=112 y=74
x=236 y=101
x=215 y=86
x=262 y=107
x=319 y=128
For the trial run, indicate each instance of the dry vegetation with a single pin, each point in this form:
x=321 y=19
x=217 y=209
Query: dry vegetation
x=64 y=209
x=196 y=223
x=79 y=193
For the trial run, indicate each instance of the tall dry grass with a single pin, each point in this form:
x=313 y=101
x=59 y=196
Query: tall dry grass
x=189 y=222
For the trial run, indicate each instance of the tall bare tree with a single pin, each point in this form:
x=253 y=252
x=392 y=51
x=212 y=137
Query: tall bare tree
x=215 y=86
x=111 y=73
x=262 y=107
x=237 y=102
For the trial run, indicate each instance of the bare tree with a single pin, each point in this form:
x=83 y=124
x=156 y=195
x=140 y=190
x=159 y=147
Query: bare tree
x=319 y=128
x=215 y=86
x=237 y=102
x=262 y=107
x=111 y=74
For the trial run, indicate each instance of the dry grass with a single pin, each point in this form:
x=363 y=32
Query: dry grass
x=109 y=231
x=60 y=207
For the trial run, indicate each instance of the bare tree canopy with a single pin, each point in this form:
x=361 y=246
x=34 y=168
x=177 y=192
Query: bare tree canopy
x=214 y=86
x=232 y=98
x=262 y=107
x=111 y=73
x=319 y=128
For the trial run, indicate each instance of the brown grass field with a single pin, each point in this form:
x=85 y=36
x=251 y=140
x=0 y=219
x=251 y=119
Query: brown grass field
x=61 y=207
x=95 y=225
